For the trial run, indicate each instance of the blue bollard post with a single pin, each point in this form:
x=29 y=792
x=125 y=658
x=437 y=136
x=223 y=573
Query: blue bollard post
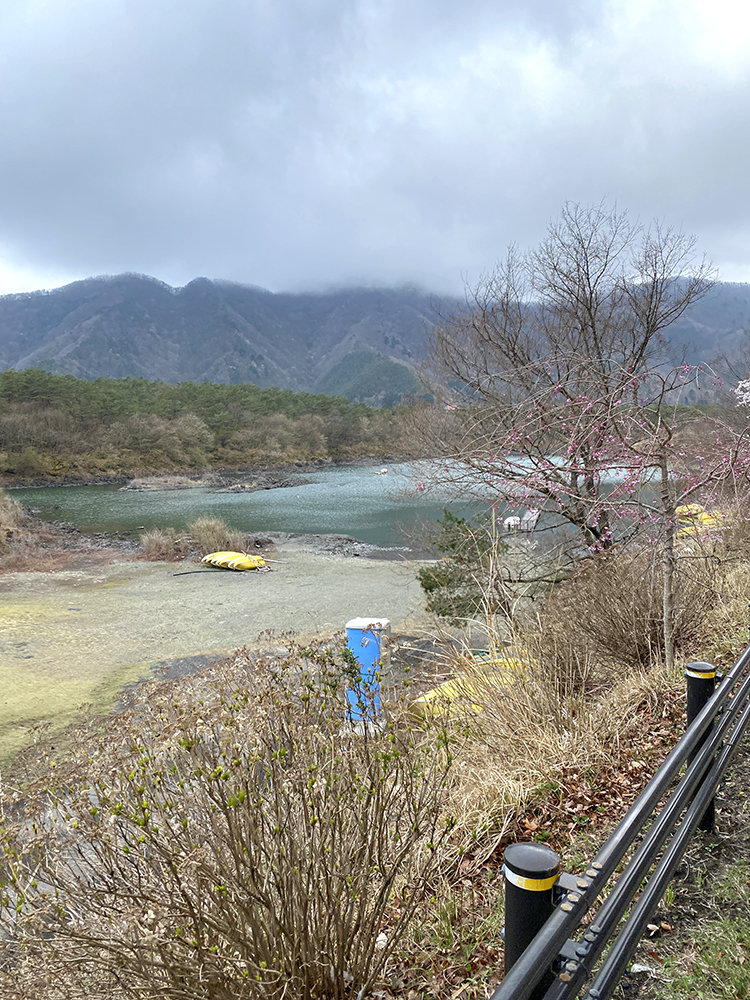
x=364 y=639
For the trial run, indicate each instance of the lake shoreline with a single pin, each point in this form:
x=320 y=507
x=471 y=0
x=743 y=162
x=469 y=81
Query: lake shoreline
x=281 y=470
x=376 y=504
x=44 y=539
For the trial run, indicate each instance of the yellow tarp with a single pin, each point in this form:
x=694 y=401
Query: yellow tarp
x=693 y=519
x=234 y=560
x=463 y=693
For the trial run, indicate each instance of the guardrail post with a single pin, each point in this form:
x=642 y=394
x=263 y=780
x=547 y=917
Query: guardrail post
x=530 y=871
x=701 y=680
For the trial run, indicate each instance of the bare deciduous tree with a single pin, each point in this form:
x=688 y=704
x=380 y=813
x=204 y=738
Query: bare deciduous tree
x=559 y=391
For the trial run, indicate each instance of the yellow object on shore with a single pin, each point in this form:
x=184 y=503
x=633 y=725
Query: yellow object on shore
x=463 y=694
x=234 y=560
x=693 y=519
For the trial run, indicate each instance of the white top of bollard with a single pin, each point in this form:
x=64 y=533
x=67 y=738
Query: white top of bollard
x=368 y=623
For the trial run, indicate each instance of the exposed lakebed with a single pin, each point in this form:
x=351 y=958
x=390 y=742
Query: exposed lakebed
x=75 y=637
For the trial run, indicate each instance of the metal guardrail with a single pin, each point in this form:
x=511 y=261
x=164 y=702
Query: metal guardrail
x=549 y=953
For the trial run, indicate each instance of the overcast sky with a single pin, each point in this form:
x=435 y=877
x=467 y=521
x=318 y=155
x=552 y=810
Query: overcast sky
x=297 y=144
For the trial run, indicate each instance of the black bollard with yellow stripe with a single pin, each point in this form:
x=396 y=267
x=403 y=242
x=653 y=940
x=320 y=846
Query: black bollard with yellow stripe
x=531 y=871
x=701 y=680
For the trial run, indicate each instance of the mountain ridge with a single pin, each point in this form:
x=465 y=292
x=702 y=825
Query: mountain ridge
x=363 y=342
x=214 y=330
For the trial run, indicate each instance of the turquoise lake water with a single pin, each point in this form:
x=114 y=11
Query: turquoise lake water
x=344 y=500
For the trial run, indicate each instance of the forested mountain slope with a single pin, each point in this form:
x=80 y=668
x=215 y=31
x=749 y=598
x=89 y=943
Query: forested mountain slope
x=135 y=326
x=360 y=342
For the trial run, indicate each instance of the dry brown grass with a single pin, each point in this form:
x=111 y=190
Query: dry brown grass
x=209 y=534
x=164 y=545
x=206 y=534
x=28 y=546
x=612 y=608
x=12 y=517
x=25 y=554
x=591 y=672
x=527 y=754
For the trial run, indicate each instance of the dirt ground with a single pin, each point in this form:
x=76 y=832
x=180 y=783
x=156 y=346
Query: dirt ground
x=74 y=637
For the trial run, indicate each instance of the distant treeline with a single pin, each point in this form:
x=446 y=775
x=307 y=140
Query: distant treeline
x=61 y=426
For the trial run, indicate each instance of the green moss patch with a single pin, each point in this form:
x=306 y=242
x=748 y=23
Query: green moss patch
x=30 y=699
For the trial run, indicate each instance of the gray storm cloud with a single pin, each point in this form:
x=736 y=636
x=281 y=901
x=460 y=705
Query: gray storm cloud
x=304 y=143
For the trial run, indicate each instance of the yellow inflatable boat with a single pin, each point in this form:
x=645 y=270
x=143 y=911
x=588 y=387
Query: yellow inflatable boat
x=234 y=560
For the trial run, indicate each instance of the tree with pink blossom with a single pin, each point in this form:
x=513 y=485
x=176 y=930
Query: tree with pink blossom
x=564 y=399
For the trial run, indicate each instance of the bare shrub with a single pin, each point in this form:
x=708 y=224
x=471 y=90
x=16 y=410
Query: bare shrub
x=164 y=545
x=613 y=606
x=240 y=845
x=209 y=534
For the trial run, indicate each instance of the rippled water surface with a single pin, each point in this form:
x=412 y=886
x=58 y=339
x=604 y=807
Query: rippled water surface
x=347 y=500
